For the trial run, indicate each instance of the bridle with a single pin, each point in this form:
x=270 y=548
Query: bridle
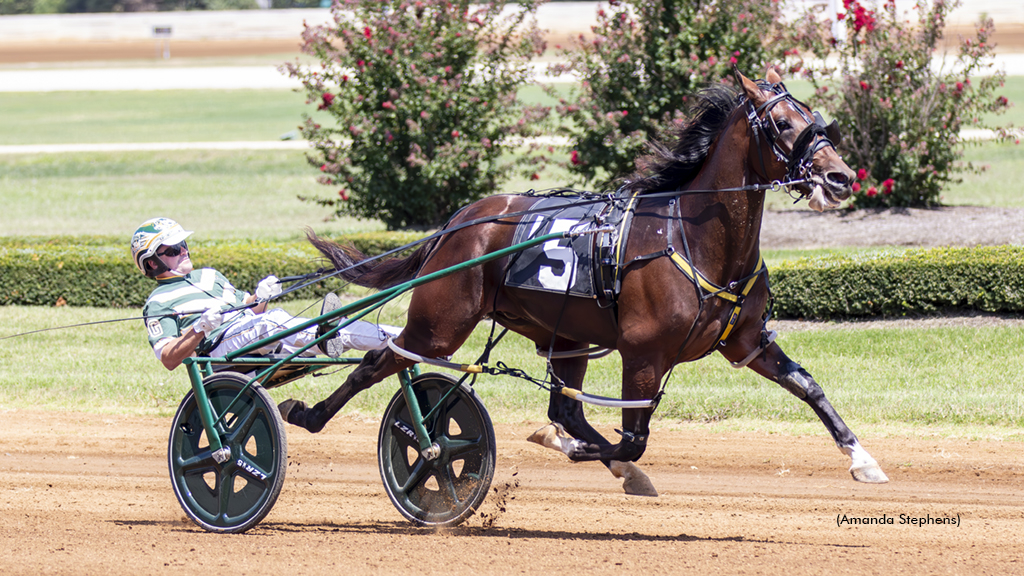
x=815 y=136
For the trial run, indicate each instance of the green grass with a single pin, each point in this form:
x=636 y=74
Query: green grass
x=920 y=378
x=149 y=116
x=223 y=194
x=999 y=185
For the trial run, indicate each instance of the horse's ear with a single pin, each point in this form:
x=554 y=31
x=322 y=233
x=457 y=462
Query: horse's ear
x=772 y=75
x=750 y=88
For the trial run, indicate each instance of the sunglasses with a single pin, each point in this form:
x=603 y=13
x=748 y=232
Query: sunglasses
x=173 y=250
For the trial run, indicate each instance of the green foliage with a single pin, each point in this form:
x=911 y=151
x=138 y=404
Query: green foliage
x=919 y=281
x=16 y=7
x=642 y=61
x=902 y=115
x=97 y=271
x=422 y=99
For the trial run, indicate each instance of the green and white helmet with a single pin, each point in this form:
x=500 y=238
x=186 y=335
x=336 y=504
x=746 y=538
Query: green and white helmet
x=153 y=234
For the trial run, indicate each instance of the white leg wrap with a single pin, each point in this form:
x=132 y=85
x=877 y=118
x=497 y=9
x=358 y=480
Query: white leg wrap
x=863 y=467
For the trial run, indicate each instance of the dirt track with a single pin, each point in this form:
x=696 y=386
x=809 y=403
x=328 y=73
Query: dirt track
x=89 y=494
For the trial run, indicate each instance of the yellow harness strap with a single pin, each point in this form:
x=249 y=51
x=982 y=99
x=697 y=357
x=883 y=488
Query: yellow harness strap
x=695 y=275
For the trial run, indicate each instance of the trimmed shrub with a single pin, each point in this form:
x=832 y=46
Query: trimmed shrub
x=57 y=271
x=45 y=272
x=899 y=283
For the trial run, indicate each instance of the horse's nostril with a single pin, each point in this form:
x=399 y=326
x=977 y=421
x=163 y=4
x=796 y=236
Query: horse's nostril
x=837 y=178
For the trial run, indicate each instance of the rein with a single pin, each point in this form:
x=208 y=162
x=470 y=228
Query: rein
x=324 y=275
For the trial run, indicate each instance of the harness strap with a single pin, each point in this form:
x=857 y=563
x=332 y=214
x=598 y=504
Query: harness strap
x=714 y=290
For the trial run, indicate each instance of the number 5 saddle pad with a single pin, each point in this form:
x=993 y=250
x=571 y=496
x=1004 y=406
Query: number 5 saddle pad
x=562 y=265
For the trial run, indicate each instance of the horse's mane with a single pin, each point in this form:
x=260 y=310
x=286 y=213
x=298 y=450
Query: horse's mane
x=667 y=167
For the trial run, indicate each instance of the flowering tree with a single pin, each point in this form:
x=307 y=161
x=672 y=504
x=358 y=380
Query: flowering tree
x=902 y=109
x=644 y=58
x=418 y=105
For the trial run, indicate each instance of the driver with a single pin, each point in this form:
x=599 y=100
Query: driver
x=185 y=314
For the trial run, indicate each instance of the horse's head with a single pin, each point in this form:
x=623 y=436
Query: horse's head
x=793 y=143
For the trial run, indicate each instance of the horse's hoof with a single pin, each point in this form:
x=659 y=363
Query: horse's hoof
x=289 y=407
x=635 y=482
x=549 y=436
x=869 y=473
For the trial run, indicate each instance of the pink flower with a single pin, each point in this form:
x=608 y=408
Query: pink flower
x=367 y=32
x=455 y=133
x=328 y=99
x=343 y=193
x=862 y=174
x=388 y=105
x=575 y=157
x=534 y=176
x=856 y=187
x=872 y=192
x=733 y=60
x=865 y=86
x=887 y=186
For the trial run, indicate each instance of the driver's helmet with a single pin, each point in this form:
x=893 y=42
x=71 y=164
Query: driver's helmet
x=149 y=237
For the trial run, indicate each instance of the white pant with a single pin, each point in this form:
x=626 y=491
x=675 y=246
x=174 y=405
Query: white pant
x=358 y=335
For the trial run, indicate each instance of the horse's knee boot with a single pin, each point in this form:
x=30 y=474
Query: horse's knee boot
x=798 y=382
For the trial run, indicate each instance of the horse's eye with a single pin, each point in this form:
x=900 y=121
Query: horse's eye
x=782 y=125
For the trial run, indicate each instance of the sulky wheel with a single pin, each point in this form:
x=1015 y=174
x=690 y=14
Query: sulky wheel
x=235 y=495
x=447 y=489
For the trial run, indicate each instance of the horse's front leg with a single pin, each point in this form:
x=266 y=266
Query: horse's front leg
x=571 y=433
x=776 y=366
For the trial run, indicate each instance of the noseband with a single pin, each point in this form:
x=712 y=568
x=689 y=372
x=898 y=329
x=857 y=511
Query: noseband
x=815 y=136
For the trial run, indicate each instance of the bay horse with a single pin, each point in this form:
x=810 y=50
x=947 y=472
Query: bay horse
x=693 y=283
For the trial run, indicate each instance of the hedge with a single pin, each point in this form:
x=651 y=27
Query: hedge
x=901 y=282
x=97 y=271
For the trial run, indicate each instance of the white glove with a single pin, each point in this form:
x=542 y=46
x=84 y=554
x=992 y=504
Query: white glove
x=268 y=288
x=209 y=321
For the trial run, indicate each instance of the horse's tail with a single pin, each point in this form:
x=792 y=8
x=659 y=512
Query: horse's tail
x=354 y=268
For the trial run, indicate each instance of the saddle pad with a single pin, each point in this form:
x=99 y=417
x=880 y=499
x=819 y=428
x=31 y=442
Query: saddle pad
x=559 y=265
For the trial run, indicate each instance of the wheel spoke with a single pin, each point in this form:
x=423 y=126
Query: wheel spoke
x=446 y=479
x=243 y=423
x=201 y=461
x=460 y=447
x=416 y=474
x=250 y=469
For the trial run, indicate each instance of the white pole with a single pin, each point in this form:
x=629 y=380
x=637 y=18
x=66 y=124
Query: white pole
x=838 y=26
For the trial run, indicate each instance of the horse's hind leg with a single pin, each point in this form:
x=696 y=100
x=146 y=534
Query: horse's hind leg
x=776 y=366
x=568 y=419
x=375 y=366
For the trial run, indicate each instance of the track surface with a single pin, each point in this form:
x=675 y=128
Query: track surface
x=89 y=494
